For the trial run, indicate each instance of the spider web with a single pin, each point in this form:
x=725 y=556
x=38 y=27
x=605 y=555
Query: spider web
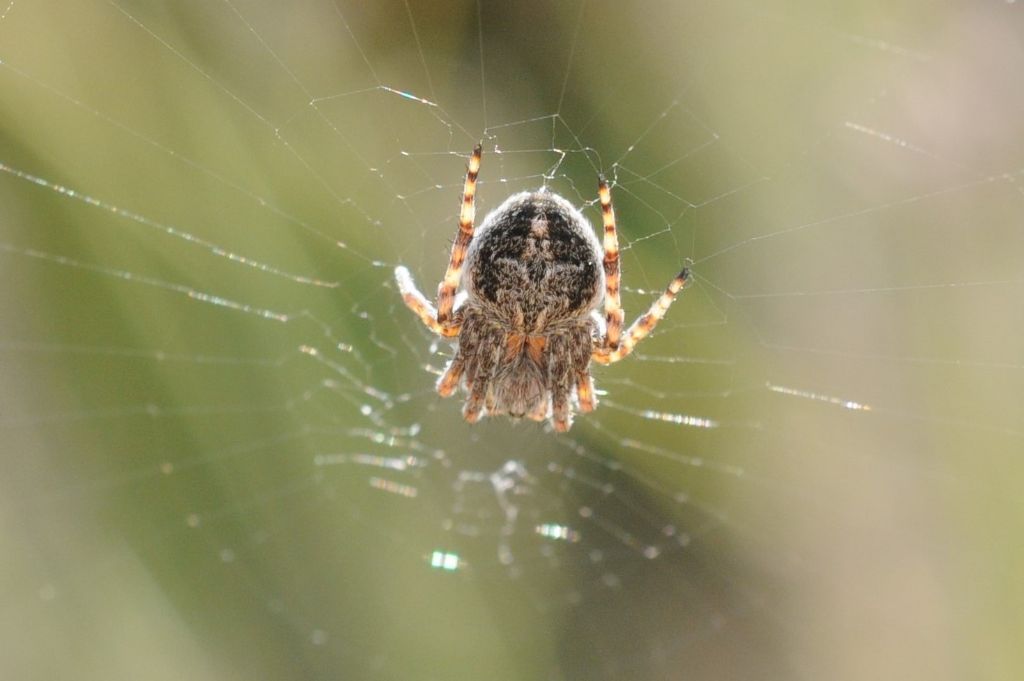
x=223 y=454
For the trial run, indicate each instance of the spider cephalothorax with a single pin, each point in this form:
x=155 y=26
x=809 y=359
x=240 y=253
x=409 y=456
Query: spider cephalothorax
x=528 y=327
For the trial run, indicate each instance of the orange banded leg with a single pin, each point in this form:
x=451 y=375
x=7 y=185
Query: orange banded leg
x=612 y=300
x=474 y=405
x=480 y=386
x=645 y=324
x=472 y=410
x=540 y=412
x=585 y=391
x=449 y=381
x=561 y=412
x=490 y=401
x=418 y=303
x=467 y=215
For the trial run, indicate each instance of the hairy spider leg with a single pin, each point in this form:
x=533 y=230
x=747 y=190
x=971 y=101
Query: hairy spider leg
x=479 y=384
x=561 y=379
x=540 y=412
x=441 y=320
x=612 y=275
x=422 y=307
x=450 y=380
x=467 y=214
x=561 y=411
x=561 y=414
x=585 y=391
x=644 y=324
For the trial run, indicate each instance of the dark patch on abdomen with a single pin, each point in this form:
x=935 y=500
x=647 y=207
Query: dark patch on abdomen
x=503 y=258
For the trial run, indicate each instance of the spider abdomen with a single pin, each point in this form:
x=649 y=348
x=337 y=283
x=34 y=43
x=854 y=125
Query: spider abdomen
x=536 y=260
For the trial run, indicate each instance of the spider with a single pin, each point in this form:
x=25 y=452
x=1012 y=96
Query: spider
x=527 y=323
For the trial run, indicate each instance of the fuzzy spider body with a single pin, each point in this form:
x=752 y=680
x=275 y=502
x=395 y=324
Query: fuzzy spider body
x=528 y=327
x=536 y=257
x=533 y=276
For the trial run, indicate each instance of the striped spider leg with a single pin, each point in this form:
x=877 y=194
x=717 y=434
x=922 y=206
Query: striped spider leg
x=444 y=320
x=613 y=346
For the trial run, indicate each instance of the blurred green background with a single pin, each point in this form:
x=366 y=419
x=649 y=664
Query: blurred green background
x=206 y=376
